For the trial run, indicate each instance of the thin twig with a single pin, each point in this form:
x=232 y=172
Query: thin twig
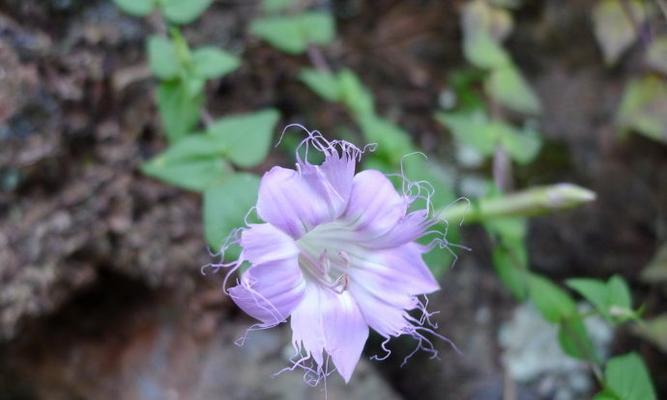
x=643 y=34
x=158 y=23
x=207 y=117
x=597 y=371
x=502 y=165
x=509 y=387
x=502 y=169
x=317 y=59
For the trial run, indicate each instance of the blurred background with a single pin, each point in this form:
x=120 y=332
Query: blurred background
x=133 y=133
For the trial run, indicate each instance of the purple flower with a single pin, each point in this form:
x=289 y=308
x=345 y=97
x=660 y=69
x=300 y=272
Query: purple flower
x=337 y=252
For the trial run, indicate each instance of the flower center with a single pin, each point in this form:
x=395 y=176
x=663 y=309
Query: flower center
x=324 y=254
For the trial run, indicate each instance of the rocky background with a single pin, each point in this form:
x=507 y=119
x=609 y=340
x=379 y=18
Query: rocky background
x=102 y=296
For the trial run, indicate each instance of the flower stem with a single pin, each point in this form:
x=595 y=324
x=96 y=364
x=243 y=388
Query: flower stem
x=531 y=202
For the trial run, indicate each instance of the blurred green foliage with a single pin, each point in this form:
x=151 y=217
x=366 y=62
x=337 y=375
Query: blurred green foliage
x=225 y=206
x=206 y=162
x=294 y=33
x=482 y=123
x=485 y=136
x=490 y=115
x=626 y=378
x=644 y=108
x=611 y=299
x=614 y=26
x=203 y=159
x=618 y=26
x=175 y=11
x=656 y=55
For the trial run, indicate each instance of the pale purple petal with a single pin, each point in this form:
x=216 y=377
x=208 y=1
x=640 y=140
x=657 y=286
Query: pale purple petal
x=385 y=283
x=331 y=322
x=400 y=271
x=407 y=229
x=375 y=207
x=298 y=201
x=339 y=170
x=386 y=319
x=307 y=326
x=264 y=242
x=270 y=292
x=346 y=332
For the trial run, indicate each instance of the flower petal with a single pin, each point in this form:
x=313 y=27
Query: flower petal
x=346 y=333
x=374 y=204
x=407 y=229
x=307 y=327
x=340 y=172
x=400 y=271
x=296 y=202
x=264 y=242
x=270 y=292
x=386 y=319
x=385 y=284
x=331 y=322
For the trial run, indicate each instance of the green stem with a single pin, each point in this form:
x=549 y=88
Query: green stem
x=531 y=202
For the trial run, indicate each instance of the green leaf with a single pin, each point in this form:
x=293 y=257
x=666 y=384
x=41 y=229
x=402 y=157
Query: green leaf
x=194 y=86
x=619 y=293
x=184 y=11
x=614 y=28
x=522 y=146
x=137 y=8
x=162 y=58
x=554 y=304
x=318 y=27
x=325 y=84
x=511 y=271
x=653 y=330
x=656 y=270
x=510 y=256
x=293 y=34
x=484 y=27
x=508 y=87
x=507 y=229
x=354 y=95
x=272 y=6
x=210 y=62
x=484 y=52
x=345 y=87
x=282 y=33
x=612 y=299
x=464 y=83
x=656 y=56
x=593 y=290
x=627 y=378
x=575 y=341
x=392 y=141
x=179 y=108
x=226 y=205
x=480 y=17
x=246 y=137
x=472 y=129
x=605 y=396
x=643 y=108
x=194 y=163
